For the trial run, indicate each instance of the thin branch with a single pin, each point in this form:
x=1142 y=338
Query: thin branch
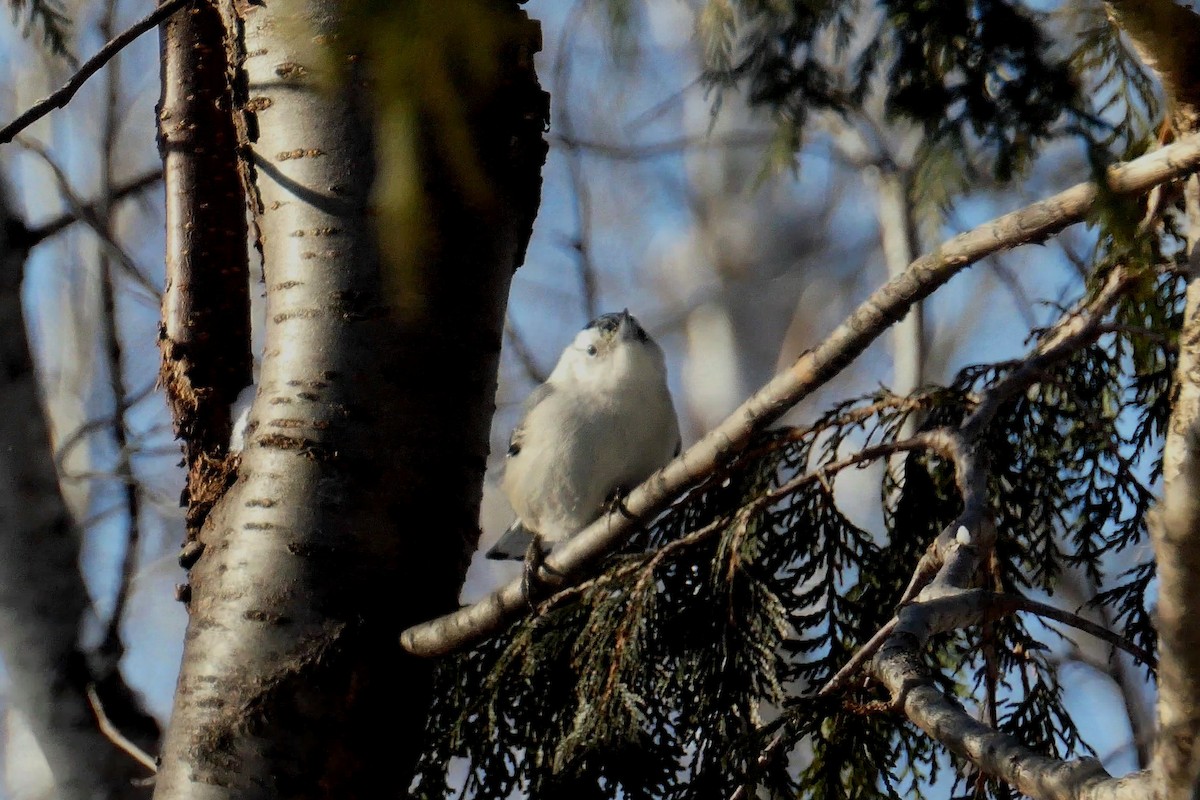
x=741 y=517
x=32 y=237
x=581 y=194
x=1007 y=603
x=1077 y=329
x=114 y=735
x=63 y=95
x=842 y=678
x=813 y=369
x=89 y=217
x=77 y=436
x=991 y=606
x=524 y=354
x=900 y=667
x=112 y=645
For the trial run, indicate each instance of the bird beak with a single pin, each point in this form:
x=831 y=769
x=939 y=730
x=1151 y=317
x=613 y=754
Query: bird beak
x=628 y=328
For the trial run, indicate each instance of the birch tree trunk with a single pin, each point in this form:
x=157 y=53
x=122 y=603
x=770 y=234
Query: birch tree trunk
x=356 y=499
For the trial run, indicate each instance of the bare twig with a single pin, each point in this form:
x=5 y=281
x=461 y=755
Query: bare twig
x=80 y=434
x=63 y=95
x=1078 y=586
x=988 y=606
x=861 y=656
x=901 y=669
x=1006 y=603
x=32 y=237
x=1078 y=328
x=524 y=354
x=581 y=244
x=115 y=736
x=88 y=216
x=813 y=369
x=112 y=645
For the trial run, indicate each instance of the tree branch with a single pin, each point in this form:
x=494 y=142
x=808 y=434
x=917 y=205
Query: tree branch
x=63 y=95
x=112 y=646
x=900 y=667
x=29 y=238
x=113 y=733
x=91 y=217
x=885 y=306
x=521 y=349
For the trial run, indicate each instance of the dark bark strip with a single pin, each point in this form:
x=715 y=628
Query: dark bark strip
x=357 y=495
x=205 y=335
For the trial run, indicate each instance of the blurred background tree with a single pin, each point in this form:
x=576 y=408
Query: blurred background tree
x=740 y=175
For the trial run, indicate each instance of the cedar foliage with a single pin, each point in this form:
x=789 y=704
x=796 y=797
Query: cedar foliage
x=656 y=676
x=669 y=672
x=50 y=18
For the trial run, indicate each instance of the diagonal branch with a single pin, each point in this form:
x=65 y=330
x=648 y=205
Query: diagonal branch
x=90 y=216
x=883 y=308
x=29 y=238
x=901 y=668
x=63 y=95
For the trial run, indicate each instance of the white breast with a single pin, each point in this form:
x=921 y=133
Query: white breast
x=579 y=448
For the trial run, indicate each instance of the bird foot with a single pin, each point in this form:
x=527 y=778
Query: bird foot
x=616 y=502
x=532 y=585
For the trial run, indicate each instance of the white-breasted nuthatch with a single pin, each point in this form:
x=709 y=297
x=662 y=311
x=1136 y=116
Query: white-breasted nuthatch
x=601 y=424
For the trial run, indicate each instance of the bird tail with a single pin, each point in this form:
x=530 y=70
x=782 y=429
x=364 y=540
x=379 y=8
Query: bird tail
x=513 y=544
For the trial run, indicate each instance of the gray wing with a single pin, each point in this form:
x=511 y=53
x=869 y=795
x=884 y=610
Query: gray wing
x=516 y=540
x=513 y=545
x=518 y=435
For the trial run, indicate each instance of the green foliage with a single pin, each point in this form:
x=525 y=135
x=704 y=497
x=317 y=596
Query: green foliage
x=667 y=674
x=702 y=647
x=989 y=81
x=980 y=69
x=50 y=17
x=1124 y=93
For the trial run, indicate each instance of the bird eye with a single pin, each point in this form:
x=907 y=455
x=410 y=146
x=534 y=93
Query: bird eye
x=591 y=351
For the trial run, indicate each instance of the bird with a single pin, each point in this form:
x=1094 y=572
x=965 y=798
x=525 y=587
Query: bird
x=600 y=424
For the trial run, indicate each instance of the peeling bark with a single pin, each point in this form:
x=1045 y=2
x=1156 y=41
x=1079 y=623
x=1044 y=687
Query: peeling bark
x=205 y=334
x=357 y=495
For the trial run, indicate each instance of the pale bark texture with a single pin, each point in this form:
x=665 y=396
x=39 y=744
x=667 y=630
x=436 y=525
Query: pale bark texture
x=1176 y=532
x=356 y=500
x=1167 y=37
x=42 y=594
